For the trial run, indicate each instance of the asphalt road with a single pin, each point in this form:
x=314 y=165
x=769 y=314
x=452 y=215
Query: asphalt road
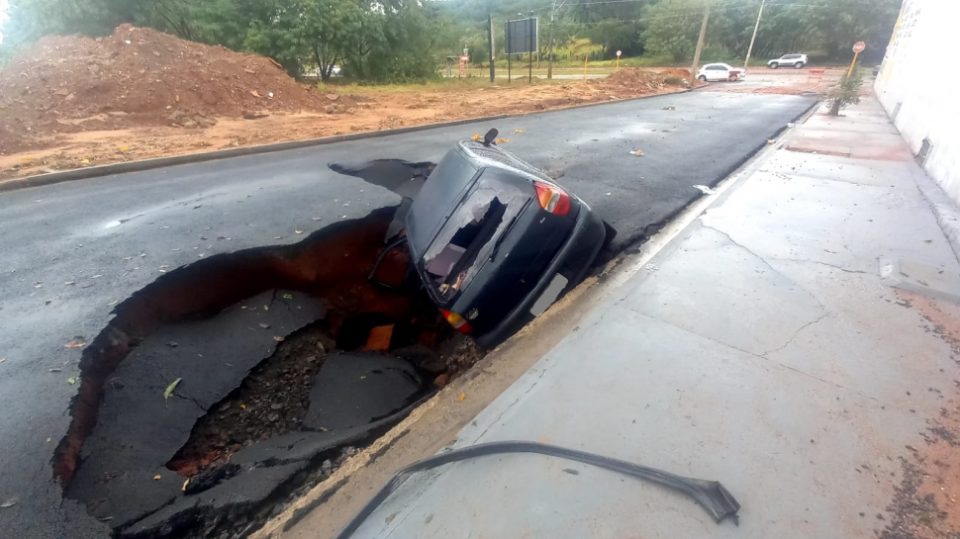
x=73 y=250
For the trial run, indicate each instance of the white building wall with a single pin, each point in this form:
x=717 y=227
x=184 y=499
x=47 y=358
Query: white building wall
x=919 y=85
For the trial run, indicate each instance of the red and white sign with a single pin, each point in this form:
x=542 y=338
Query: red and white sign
x=859 y=46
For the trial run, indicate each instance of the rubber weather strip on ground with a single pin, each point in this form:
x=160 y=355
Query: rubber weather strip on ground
x=710 y=495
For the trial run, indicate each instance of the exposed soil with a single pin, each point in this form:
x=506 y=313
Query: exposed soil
x=72 y=102
x=926 y=503
x=272 y=400
x=136 y=77
x=782 y=81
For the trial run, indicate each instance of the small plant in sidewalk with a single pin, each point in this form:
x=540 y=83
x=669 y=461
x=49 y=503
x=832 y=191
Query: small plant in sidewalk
x=846 y=93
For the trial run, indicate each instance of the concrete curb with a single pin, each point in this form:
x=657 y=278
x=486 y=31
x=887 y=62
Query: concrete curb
x=159 y=162
x=945 y=210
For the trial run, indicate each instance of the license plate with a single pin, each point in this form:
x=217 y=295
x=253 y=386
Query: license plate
x=549 y=295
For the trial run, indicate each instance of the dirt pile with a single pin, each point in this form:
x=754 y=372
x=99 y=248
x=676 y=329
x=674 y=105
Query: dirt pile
x=137 y=77
x=645 y=81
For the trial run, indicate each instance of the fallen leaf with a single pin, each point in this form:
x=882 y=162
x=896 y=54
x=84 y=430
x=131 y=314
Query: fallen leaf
x=287 y=295
x=156 y=477
x=255 y=93
x=501 y=140
x=76 y=342
x=38 y=285
x=476 y=137
x=10 y=502
x=72 y=380
x=519 y=131
x=243 y=406
x=264 y=326
x=297 y=231
x=167 y=393
x=771 y=141
x=266 y=307
x=462 y=396
x=183 y=487
x=638 y=152
x=278 y=338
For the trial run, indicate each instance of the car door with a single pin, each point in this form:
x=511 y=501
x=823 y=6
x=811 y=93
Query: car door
x=717 y=72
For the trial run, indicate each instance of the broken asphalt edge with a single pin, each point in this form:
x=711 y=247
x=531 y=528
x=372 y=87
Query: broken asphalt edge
x=51 y=178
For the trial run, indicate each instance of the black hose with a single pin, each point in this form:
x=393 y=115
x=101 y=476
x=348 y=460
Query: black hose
x=710 y=495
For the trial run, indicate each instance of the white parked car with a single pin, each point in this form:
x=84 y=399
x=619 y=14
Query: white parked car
x=720 y=72
x=794 y=59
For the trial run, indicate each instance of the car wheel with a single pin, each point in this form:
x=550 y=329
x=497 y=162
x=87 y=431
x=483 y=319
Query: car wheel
x=798 y=65
x=774 y=65
x=703 y=78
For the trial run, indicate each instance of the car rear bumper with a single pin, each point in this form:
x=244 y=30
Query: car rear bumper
x=572 y=262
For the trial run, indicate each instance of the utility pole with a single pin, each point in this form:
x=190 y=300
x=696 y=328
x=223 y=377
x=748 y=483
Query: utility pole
x=699 y=49
x=493 y=68
x=754 y=36
x=553 y=11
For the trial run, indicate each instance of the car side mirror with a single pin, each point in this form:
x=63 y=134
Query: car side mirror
x=490 y=137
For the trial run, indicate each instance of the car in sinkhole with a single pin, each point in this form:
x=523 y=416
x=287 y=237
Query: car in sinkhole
x=495 y=241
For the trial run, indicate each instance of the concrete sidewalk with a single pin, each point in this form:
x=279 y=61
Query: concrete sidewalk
x=798 y=342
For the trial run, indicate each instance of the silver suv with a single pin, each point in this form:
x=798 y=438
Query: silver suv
x=796 y=60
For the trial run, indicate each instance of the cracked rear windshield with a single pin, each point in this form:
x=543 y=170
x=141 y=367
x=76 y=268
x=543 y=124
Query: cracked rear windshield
x=469 y=238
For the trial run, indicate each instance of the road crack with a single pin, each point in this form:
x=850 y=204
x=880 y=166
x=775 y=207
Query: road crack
x=795 y=335
x=766 y=263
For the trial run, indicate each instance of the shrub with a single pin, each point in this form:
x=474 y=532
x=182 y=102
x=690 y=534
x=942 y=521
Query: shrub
x=846 y=93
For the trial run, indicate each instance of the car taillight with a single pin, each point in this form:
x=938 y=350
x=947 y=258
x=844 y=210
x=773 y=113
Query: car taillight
x=552 y=198
x=458 y=322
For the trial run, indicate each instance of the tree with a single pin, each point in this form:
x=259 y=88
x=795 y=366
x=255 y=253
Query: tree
x=672 y=28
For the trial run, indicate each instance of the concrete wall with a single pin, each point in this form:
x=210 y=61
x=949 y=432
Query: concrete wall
x=919 y=85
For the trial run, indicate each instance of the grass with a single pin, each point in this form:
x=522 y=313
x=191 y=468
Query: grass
x=478 y=77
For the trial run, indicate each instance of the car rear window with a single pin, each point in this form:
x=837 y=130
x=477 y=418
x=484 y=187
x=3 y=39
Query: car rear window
x=467 y=240
x=437 y=198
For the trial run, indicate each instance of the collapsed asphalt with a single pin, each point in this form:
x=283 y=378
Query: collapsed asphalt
x=73 y=250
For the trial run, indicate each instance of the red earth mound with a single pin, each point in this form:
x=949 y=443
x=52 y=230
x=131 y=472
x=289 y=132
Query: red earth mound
x=139 y=76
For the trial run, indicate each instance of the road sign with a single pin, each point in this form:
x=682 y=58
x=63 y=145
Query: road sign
x=619 y=53
x=857 y=49
x=522 y=36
